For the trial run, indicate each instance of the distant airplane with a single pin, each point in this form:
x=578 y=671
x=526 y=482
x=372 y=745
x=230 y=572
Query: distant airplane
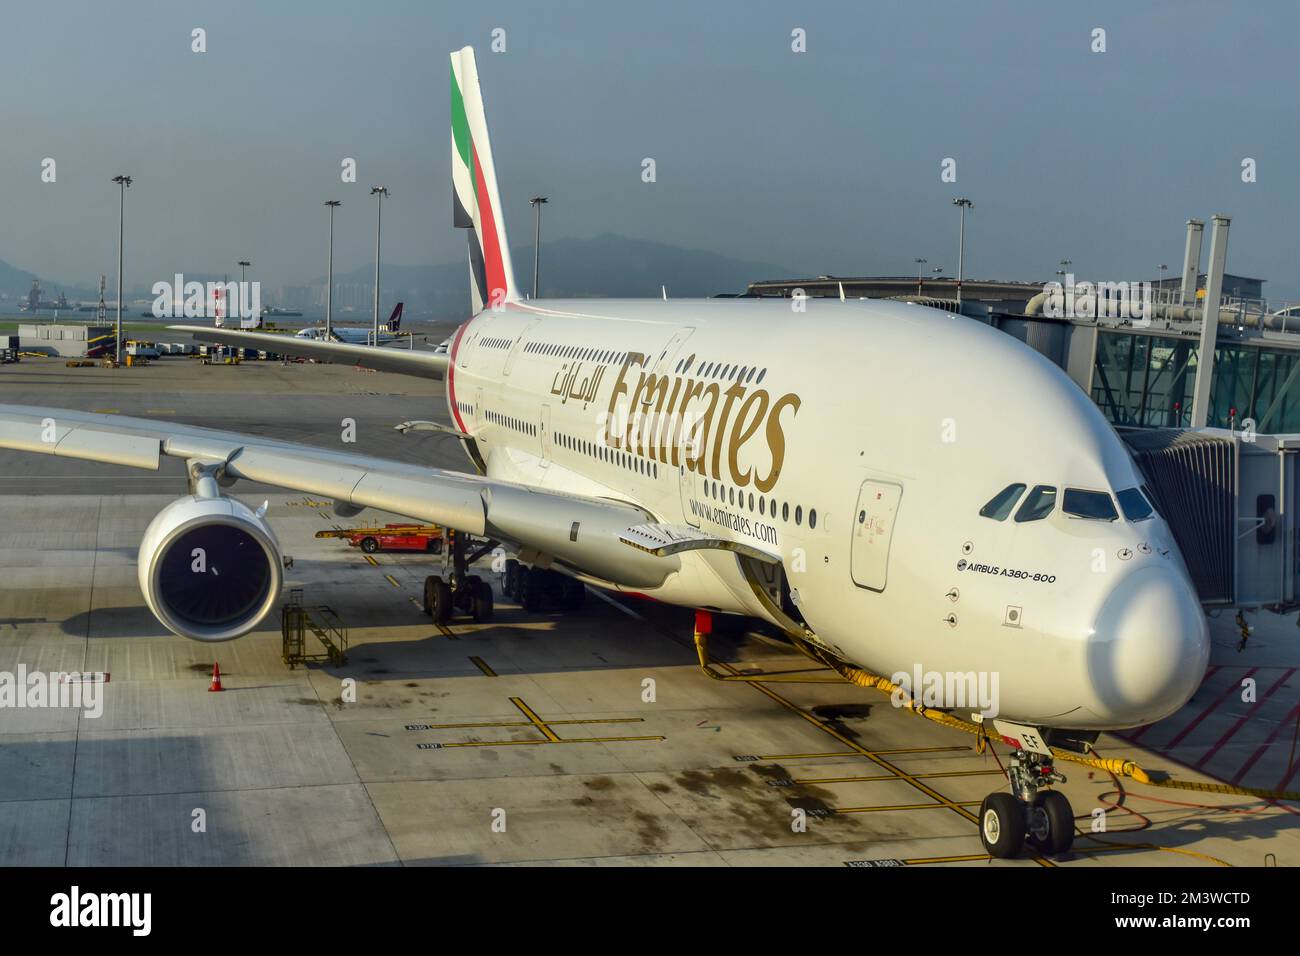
x=357 y=334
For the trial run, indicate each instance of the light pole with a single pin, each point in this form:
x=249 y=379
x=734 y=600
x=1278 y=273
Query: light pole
x=963 y=204
x=329 y=274
x=1164 y=268
x=919 y=264
x=382 y=193
x=536 y=202
x=230 y=312
x=122 y=182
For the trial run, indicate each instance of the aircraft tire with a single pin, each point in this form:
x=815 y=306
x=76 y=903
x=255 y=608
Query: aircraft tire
x=482 y=607
x=1052 y=825
x=439 y=599
x=1002 y=825
x=532 y=589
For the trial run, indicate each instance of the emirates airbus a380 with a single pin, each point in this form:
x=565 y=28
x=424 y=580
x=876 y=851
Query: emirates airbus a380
x=894 y=487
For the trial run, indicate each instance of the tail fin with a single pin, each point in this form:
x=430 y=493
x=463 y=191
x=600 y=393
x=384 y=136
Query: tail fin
x=475 y=200
x=395 y=320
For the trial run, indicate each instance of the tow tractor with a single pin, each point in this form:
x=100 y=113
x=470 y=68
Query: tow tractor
x=391 y=537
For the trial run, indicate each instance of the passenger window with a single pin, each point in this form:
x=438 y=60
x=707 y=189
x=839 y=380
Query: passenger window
x=1038 y=504
x=1000 y=505
x=1095 y=505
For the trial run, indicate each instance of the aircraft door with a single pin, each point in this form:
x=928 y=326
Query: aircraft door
x=873 y=530
x=686 y=482
x=544 y=433
x=518 y=346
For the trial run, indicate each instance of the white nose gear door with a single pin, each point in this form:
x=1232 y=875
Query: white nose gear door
x=873 y=529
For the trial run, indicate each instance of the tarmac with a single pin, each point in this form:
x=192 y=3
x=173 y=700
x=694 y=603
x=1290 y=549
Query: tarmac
x=589 y=738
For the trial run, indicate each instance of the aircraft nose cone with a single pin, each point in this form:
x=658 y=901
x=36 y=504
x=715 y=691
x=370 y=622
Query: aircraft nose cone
x=1150 y=647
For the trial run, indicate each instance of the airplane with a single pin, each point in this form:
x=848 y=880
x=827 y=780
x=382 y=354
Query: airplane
x=896 y=488
x=355 y=334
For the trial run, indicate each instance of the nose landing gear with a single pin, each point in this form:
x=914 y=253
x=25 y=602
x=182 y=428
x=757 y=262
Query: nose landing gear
x=1031 y=812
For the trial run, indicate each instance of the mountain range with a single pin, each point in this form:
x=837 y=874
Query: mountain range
x=607 y=266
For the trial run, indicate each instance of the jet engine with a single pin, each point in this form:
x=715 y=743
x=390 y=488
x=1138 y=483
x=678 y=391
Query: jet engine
x=210 y=567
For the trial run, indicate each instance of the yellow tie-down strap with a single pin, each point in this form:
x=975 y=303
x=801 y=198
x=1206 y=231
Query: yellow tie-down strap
x=1116 y=765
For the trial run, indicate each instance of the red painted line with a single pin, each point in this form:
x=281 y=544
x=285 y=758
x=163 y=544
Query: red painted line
x=493 y=261
x=1286 y=778
x=1133 y=738
x=1241 y=721
x=1286 y=722
x=1209 y=710
x=451 y=372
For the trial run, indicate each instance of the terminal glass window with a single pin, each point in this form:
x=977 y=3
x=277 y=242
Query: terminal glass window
x=1000 y=505
x=1134 y=504
x=1096 y=505
x=1144 y=380
x=1038 y=504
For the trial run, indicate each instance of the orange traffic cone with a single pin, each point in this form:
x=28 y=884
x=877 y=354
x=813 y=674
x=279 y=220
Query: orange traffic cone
x=216 y=678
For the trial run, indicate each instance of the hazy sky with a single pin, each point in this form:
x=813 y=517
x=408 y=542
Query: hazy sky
x=827 y=161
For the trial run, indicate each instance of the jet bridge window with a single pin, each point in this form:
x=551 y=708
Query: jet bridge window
x=1000 y=505
x=1094 y=505
x=1038 y=504
x=1134 y=504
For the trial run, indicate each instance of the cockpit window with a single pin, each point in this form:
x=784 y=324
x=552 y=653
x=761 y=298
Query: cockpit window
x=1134 y=504
x=1096 y=505
x=1000 y=505
x=1038 y=503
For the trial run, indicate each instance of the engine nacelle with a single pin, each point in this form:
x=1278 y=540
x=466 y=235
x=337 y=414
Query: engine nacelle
x=210 y=568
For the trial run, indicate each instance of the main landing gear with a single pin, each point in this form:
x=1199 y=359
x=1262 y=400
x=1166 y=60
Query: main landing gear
x=460 y=590
x=535 y=588
x=1031 y=812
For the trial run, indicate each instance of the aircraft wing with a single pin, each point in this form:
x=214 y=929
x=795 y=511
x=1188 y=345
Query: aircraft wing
x=584 y=533
x=403 y=361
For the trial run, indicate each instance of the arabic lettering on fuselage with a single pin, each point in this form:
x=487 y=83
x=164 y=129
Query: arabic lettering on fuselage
x=567 y=386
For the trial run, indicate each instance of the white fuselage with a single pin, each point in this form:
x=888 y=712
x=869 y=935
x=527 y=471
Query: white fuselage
x=894 y=424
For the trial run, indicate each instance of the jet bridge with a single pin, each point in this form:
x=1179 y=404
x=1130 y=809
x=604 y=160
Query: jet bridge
x=1227 y=497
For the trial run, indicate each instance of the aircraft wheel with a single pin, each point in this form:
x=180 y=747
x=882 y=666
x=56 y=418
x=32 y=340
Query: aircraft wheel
x=532 y=589
x=1002 y=825
x=482 y=608
x=369 y=545
x=510 y=587
x=439 y=600
x=572 y=594
x=1051 y=822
